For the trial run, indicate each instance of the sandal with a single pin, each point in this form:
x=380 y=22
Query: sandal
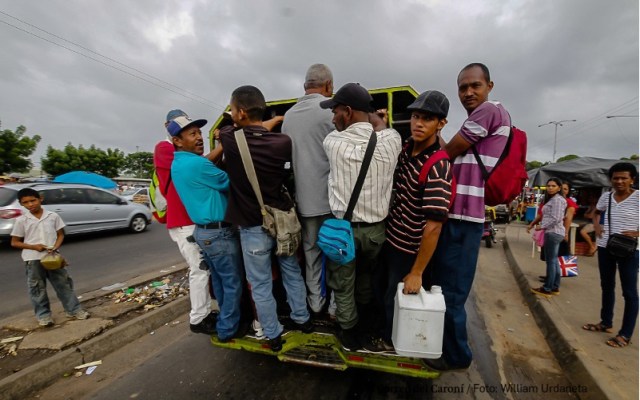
x=596 y=328
x=618 y=341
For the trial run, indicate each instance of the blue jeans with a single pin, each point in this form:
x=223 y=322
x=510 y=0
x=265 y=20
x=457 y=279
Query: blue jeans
x=221 y=252
x=453 y=268
x=257 y=247
x=628 y=269
x=61 y=282
x=551 y=247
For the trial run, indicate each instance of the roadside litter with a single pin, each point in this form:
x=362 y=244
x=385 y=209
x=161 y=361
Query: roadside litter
x=8 y=347
x=153 y=294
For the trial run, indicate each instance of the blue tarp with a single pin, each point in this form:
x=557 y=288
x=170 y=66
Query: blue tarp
x=88 y=178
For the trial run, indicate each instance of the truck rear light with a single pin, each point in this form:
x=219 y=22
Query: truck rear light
x=10 y=213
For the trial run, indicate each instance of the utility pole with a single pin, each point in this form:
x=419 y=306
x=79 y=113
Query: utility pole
x=555 y=135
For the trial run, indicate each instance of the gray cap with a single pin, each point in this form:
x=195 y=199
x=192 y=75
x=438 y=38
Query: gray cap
x=432 y=102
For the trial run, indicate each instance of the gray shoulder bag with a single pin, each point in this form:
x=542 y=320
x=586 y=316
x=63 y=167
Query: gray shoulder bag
x=279 y=224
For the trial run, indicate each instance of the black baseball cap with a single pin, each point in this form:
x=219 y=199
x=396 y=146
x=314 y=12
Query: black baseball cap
x=352 y=95
x=432 y=102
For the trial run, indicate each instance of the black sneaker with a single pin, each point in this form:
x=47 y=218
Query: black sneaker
x=349 y=339
x=306 y=327
x=276 y=343
x=376 y=345
x=205 y=326
x=212 y=318
x=243 y=329
x=439 y=364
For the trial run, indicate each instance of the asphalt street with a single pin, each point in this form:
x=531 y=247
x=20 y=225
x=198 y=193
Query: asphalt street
x=174 y=363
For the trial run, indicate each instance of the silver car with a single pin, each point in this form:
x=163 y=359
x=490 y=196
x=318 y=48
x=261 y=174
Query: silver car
x=83 y=208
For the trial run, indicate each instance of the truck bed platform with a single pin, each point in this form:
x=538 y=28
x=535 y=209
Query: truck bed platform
x=322 y=349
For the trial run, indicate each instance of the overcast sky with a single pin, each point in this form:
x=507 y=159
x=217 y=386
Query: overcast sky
x=550 y=60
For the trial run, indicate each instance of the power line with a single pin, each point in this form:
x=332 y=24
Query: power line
x=189 y=95
x=590 y=123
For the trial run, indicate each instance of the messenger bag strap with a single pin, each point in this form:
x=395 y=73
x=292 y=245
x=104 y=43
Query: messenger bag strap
x=368 y=154
x=609 y=212
x=243 y=147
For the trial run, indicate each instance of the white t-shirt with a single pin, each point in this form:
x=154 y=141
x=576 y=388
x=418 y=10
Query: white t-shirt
x=624 y=215
x=37 y=231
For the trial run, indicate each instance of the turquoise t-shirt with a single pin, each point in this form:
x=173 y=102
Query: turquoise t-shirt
x=202 y=187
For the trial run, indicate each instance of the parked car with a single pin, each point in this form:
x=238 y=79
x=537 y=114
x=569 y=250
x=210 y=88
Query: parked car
x=137 y=195
x=83 y=208
x=502 y=213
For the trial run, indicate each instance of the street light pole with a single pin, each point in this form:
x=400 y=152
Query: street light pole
x=555 y=135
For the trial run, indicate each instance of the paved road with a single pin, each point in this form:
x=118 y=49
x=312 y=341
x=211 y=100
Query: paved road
x=97 y=260
x=175 y=363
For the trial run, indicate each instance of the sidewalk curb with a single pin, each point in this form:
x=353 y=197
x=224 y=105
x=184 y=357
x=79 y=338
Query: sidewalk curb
x=575 y=367
x=44 y=373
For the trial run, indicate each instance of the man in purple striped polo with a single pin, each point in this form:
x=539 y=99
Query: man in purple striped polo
x=454 y=262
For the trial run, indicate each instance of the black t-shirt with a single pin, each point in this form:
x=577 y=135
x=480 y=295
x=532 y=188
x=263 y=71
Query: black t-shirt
x=271 y=155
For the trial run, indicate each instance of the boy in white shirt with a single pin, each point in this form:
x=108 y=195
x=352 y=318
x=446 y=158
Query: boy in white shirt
x=38 y=233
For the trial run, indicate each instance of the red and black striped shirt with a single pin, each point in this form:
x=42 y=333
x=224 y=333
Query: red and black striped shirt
x=414 y=204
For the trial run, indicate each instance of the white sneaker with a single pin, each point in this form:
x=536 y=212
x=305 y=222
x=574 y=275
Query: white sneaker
x=258 y=333
x=80 y=314
x=45 y=321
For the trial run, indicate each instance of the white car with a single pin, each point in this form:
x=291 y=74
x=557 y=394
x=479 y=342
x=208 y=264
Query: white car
x=137 y=195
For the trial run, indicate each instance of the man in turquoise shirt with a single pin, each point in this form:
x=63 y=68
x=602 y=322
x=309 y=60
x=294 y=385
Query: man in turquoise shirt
x=203 y=187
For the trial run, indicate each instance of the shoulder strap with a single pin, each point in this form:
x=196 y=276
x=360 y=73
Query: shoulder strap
x=439 y=155
x=166 y=188
x=609 y=213
x=483 y=169
x=247 y=162
x=368 y=154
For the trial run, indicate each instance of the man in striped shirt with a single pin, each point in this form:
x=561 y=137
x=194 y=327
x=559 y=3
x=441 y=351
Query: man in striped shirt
x=419 y=210
x=454 y=263
x=345 y=148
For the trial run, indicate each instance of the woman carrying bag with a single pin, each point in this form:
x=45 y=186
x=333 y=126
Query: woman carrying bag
x=617 y=241
x=553 y=225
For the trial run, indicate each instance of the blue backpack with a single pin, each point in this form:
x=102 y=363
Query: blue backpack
x=335 y=239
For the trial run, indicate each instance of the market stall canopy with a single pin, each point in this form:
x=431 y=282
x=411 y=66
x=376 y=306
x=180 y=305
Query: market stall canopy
x=582 y=172
x=88 y=178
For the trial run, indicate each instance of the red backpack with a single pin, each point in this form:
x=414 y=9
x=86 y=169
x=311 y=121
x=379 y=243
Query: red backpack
x=507 y=178
x=439 y=155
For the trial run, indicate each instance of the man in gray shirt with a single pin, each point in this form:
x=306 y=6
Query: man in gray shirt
x=307 y=125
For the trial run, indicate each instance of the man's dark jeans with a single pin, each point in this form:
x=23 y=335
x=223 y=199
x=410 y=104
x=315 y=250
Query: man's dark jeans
x=629 y=280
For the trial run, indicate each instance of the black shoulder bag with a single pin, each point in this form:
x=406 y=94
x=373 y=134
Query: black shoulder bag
x=619 y=245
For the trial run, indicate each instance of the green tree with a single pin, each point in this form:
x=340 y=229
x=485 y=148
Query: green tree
x=567 y=158
x=15 y=148
x=139 y=164
x=107 y=163
x=535 y=164
x=632 y=157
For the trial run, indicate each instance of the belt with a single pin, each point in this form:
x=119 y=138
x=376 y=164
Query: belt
x=364 y=224
x=214 y=225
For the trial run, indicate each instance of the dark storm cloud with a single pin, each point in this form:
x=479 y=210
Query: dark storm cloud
x=549 y=60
